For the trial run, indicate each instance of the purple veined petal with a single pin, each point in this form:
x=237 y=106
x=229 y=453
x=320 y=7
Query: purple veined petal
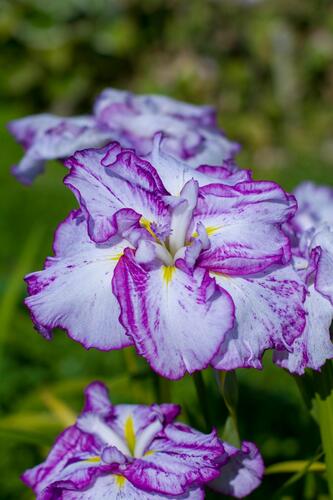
x=97 y=400
x=269 y=314
x=152 y=104
x=244 y=226
x=26 y=129
x=263 y=201
x=58 y=298
x=47 y=137
x=323 y=244
x=227 y=174
x=70 y=443
x=242 y=473
x=175 y=172
x=190 y=131
x=176 y=321
x=116 y=487
x=102 y=192
x=314 y=346
x=243 y=249
x=215 y=150
x=178 y=460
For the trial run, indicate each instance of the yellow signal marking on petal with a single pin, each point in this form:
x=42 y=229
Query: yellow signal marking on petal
x=212 y=229
x=93 y=459
x=168 y=273
x=147 y=225
x=120 y=480
x=219 y=275
x=117 y=256
x=149 y=452
x=130 y=434
x=209 y=230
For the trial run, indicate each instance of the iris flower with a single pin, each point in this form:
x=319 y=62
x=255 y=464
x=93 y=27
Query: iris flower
x=311 y=232
x=139 y=452
x=193 y=273
x=191 y=131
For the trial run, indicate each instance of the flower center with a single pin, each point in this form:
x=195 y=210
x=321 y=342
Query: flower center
x=130 y=445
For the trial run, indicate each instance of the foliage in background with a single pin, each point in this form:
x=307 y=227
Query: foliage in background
x=269 y=67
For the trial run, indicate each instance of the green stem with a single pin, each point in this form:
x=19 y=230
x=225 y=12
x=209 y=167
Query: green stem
x=317 y=390
x=162 y=389
x=228 y=385
x=199 y=384
x=324 y=409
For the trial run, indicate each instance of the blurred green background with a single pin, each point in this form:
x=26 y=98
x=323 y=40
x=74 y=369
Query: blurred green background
x=267 y=66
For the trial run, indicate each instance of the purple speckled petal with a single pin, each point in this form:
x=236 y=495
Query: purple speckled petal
x=166 y=310
x=116 y=487
x=58 y=298
x=48 y=137
x=314 y=347
x=110 y=180
x=242 y=473
x=323 y=243
x=177 y=460
x=269 y=314
x=243 y=224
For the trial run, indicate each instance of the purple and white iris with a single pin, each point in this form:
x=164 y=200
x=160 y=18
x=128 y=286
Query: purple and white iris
x=196 y=270
x=311 y=232
x=191 y=132
x=139 y=452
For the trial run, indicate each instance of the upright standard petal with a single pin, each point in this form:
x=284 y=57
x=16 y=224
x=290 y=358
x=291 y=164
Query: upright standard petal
x=50 y=137
x=112 y=181
x=168 y=311
x=269 y=314
x=74 y=291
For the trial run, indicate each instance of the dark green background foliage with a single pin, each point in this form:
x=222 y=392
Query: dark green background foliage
x=267 y=65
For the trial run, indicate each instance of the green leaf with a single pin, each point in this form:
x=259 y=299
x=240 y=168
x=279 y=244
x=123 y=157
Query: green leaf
x=293 y=466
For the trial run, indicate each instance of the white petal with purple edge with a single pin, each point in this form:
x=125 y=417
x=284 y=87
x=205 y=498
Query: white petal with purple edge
x=242 y=473
x=48 y=137
x=324 y=276
x=269 y=314
x=177 y=460
x=116 y=487
x=176 y=321
x=74 y=292
x=103 y=192
x=243 y=225
x=314 y=346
